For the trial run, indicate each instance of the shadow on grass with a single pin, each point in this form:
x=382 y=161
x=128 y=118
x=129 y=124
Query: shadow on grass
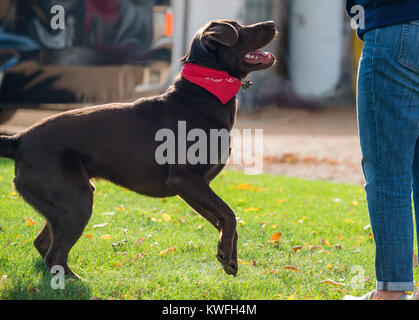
x=38 y=287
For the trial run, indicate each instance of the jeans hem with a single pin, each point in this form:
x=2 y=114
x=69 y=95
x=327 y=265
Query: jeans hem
x=395 y=286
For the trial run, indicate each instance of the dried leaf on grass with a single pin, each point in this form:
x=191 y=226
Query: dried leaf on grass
x=164 y=252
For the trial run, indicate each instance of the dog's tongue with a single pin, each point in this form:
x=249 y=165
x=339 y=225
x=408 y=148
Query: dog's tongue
x=259 y=56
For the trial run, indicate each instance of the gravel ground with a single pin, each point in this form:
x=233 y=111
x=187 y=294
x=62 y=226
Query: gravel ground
x=316 y=145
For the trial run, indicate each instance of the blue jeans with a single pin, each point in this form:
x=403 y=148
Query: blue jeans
x=388 y=120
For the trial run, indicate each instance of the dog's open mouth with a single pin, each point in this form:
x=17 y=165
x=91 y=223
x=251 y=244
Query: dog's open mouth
x=259 y=57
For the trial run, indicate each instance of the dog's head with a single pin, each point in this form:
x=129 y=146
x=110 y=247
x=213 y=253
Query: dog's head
x=228 y=46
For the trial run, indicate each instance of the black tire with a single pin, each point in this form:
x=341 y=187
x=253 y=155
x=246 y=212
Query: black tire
x=6 y=115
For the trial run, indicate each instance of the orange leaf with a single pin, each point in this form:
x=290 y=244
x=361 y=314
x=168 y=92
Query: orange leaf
x=30 y=222
x=325 y=242
x=164 y=252
x=140 y=241
x=296 y=248
x=275 y=237
x=243 y=186
x=105 y=237
x=292 y=268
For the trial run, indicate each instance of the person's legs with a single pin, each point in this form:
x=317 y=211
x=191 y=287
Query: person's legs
x=388 y=118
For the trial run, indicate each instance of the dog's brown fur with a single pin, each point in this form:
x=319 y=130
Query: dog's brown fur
x=56 y=158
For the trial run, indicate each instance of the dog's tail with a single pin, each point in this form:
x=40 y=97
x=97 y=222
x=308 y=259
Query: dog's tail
x=8 y=147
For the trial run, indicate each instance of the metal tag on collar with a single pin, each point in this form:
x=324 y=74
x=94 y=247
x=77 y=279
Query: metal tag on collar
x=246 y=84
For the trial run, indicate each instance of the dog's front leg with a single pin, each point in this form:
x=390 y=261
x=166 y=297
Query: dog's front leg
x=193 y=189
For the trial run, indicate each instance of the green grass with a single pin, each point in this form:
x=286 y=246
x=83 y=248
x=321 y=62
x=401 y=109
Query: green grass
x=308 y=214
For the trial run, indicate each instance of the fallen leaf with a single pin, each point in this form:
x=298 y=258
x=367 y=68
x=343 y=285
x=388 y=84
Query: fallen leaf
x=166 y=217
x=415 y=259
x=251 y=209
x=325 y=242
x=140 y=241
x=242 y=261
x=316 y=248
x=121 y=207
x=296 y=248
x=292 y=268
x=293 y=296
x=30 y=222
x=105 y=237
x=243 y=186
x=120 y=243
x=333 y=283
x=164 y=252
x=275 y=237
x=100 y=225
x=289 y=158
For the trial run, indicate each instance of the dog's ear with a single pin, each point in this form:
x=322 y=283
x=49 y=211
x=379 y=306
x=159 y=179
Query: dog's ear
x=220 y=32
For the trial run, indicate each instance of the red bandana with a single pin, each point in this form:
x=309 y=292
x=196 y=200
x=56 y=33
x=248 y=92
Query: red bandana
x=219 y=83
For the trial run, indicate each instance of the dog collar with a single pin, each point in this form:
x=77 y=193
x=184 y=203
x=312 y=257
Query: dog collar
x=219 y=83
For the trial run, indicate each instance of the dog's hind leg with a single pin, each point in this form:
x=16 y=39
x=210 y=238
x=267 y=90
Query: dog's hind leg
x=65 y=198
x=43 y=240
x=67 y=227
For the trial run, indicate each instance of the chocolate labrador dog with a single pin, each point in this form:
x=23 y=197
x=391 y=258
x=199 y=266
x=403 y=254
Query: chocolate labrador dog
x=56 y=158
